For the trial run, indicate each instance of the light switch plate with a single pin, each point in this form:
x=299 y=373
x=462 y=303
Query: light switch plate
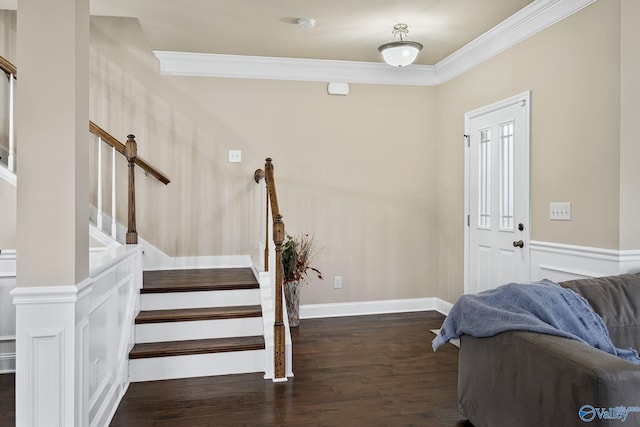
x=235 y=156
x=560 y=211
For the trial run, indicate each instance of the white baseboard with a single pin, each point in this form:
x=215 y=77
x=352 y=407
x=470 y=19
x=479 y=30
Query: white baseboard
x=154 y=259
x=364 y=308
x=8 y=263
x=7 y=363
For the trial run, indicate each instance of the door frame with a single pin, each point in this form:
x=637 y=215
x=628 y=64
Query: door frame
x=524 y=97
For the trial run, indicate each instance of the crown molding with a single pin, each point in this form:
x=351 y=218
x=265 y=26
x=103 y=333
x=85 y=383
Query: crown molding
x=523 y=24
x=273 y=68
x=529 y=21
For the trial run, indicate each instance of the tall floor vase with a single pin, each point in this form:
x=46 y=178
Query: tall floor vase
x=292 y=297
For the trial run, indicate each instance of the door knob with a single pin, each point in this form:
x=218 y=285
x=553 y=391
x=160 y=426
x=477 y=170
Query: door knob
x=518 y=244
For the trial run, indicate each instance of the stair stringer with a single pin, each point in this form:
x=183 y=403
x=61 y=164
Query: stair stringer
x=266 y=281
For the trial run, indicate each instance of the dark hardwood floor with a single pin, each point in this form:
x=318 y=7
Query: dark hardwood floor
x=350 y=371
x=7 y=400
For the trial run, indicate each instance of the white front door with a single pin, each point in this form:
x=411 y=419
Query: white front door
x=497 y=194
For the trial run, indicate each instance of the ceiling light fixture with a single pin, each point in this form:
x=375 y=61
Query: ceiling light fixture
x=400 y=53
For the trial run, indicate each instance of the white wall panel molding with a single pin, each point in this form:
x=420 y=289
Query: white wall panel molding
x=558 y=262
x=45 y=349
x=50 y=387
x=529 y=21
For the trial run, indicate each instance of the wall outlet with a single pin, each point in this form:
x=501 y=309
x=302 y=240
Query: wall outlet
x=560 y=211
x=337 y=282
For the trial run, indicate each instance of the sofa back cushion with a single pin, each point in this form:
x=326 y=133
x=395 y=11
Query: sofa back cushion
x=617 y=300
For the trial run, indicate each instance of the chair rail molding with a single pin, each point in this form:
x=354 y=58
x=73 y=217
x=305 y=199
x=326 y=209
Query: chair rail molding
x=529 y=21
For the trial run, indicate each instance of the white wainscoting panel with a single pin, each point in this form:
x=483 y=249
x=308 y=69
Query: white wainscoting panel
x=73 y=343
x=45 y=355
x=559 y=262
x=7 y=325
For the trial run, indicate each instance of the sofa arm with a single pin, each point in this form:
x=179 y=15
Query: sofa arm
x=528 y=379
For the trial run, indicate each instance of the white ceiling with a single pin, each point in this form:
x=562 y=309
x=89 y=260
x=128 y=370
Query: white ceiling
x=346 y=30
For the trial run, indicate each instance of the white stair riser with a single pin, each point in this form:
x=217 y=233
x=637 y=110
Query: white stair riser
x=200 y=329
x=198 y=365
x=200 y=299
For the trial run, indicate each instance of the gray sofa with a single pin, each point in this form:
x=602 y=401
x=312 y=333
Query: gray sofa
x=522 y=379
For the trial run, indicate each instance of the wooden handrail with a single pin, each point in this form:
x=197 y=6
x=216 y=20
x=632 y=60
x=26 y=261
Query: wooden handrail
x=120 y=148
x=278 y=238
x=8 y=67
x=129 y=151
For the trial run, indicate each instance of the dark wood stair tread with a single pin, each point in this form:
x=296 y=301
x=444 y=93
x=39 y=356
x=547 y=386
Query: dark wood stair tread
x=203 y=279
x=193 y=314
x=189 y=347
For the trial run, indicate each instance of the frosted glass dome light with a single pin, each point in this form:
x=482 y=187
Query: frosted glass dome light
x=400 y=53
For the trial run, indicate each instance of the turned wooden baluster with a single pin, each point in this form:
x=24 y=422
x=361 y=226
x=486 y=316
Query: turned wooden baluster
x=278 y=238
x=130 y=152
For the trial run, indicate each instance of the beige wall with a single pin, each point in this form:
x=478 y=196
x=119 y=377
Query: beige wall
x=392 y=227
x=7 y=50
x=7 y=192
x=7 y=215
x=573 y=71
x=358 y=171
x=629 y=115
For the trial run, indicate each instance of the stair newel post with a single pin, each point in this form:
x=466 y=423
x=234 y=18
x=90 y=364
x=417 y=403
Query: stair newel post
x=278 y=238
x=278 y=326
x=130 y=153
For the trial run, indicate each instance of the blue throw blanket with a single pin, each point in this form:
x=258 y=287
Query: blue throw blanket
x=543 y=307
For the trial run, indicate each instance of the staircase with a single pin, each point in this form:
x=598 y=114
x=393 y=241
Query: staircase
x=198 y=323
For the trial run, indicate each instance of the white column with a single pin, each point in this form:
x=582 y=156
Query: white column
x=53 y=256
